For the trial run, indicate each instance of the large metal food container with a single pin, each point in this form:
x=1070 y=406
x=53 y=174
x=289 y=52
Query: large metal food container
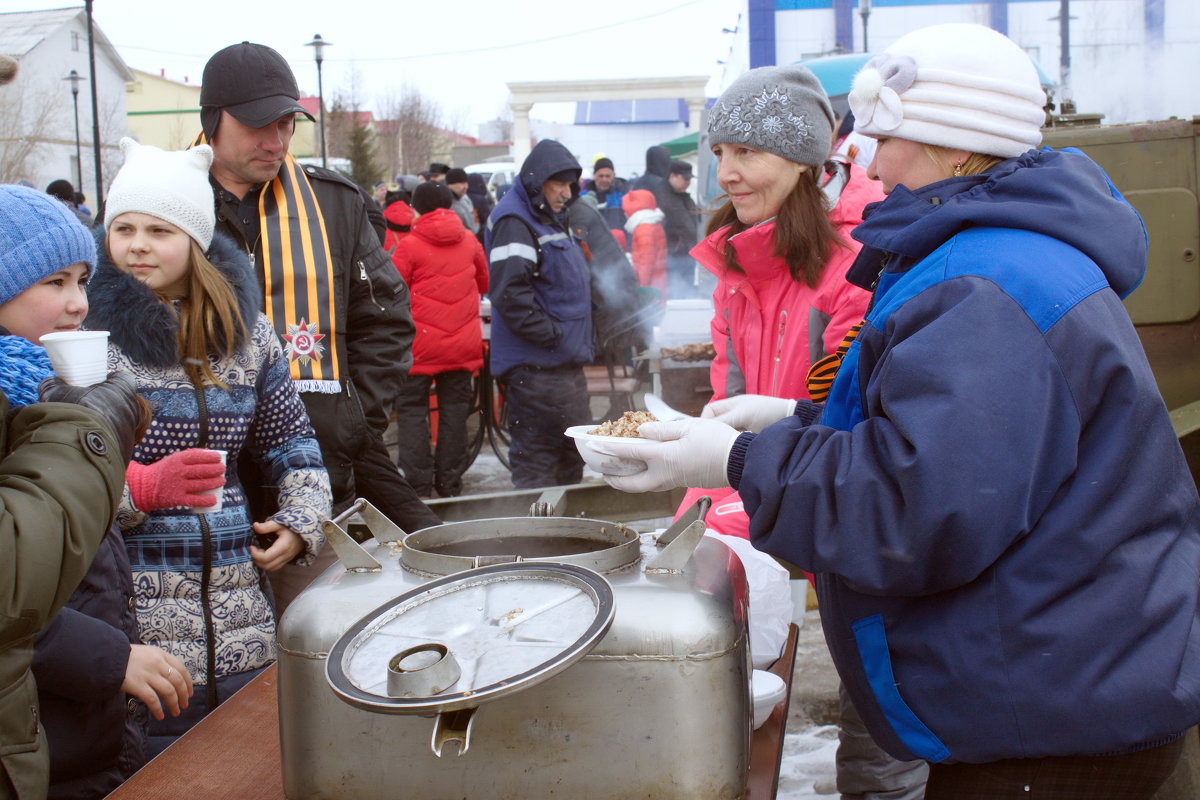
x=656 y=707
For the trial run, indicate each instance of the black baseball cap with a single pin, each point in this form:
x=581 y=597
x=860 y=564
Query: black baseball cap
x=253 y=83
x=681 y=168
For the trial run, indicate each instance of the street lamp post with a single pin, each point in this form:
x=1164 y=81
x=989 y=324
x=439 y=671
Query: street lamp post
x=318 y=45
x=96 y=142
x=74 y=77
x=1064 y=57
x=864 y=10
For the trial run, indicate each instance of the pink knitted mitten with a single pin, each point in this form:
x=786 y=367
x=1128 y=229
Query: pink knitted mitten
x=180 y=479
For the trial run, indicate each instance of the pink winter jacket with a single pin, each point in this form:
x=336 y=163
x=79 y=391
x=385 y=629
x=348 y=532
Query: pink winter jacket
x=768 y=328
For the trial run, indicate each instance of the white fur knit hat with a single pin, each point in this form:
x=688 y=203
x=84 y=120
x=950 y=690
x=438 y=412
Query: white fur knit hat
x=958 y=85
x=170 y=185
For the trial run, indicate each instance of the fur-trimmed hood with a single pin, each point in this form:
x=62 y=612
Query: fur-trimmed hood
x=147 y=329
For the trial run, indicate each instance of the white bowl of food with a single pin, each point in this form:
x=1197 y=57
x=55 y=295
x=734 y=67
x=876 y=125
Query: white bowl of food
x=586 y=436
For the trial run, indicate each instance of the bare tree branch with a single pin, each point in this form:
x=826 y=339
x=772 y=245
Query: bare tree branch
x=25 y=126
x=418 y=130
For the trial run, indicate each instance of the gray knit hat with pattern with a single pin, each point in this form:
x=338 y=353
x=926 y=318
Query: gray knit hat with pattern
x=782 y=110
x=38 y=236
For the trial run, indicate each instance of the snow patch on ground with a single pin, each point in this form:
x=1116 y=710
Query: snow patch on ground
x=807 y=770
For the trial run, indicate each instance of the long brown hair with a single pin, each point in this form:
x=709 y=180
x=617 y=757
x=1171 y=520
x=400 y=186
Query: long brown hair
x=209 y=319
x=804 y=236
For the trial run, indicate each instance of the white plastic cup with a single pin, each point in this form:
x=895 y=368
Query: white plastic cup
x=79 y=357
x=218 y=493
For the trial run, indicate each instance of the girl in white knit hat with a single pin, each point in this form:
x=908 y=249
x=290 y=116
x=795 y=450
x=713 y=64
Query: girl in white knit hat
x=1004 y=530
x=182 y=309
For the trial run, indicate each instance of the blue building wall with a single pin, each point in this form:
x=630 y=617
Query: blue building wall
x=761 y=16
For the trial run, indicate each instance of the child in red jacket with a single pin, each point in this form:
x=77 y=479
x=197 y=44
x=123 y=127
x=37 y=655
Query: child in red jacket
x=647 y=239
x=399 y=216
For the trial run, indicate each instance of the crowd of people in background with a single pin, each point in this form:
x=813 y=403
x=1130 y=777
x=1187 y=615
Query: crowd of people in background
x=258 y=352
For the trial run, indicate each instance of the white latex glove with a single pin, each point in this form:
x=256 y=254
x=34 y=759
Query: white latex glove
x=749 y=412
x=695 y=452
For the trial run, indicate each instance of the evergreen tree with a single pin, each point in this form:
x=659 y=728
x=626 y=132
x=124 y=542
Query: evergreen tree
x=360 y=149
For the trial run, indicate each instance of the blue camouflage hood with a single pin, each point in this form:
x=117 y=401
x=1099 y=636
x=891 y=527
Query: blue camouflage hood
x=1059 y=193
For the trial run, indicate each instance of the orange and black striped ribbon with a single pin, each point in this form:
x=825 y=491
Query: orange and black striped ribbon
x=822 y=372
x=297 y=271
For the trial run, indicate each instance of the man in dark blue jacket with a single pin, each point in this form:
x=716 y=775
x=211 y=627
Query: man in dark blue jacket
x=541 y=317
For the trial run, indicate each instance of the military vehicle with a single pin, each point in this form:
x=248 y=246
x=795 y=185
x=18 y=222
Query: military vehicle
x=1156 y=165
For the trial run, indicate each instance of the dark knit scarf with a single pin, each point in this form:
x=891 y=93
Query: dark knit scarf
x=297 y=270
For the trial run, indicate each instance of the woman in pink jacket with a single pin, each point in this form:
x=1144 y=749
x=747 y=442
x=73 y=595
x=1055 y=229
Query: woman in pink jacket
x=444 y=267
x=779 y=253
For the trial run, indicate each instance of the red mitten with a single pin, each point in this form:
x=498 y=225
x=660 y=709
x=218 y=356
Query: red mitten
x=177 y=480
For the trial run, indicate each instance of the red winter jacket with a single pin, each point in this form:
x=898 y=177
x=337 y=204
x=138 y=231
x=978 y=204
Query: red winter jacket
x=446 y=272
x=648 y=240
x=768 y=329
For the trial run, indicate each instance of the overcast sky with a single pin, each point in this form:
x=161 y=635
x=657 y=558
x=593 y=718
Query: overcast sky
x=458 y=52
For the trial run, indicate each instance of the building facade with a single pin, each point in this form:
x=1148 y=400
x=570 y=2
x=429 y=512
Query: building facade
x=1120 y=53
x=38 y=140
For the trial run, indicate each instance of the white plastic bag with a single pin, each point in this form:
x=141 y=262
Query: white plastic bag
x=771 y=605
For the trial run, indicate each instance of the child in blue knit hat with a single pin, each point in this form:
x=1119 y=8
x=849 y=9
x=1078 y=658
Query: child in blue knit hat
x=44 y=263
x=88 y=662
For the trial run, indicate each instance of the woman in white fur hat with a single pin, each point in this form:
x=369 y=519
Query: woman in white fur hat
x=1004 y=531
x=183 y=313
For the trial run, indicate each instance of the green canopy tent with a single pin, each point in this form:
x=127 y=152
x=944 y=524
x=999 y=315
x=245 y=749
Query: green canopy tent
x=683 y=145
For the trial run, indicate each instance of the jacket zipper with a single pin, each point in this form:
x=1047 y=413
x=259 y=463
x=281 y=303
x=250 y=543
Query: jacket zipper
x=211 y=698
x=783 y=315
x=362 y=272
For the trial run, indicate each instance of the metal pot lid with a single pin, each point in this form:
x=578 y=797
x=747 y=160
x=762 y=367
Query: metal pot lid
x=462 y=640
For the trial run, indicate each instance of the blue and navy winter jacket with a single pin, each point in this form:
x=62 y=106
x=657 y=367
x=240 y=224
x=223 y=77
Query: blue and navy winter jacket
x=1001 y=521
x=539 y=282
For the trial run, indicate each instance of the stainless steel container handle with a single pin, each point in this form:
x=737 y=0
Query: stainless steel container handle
x=453 y=726
x=550 y=503
x=352 y=555
x=675 y=556
x=383 y=530
x=698 y=511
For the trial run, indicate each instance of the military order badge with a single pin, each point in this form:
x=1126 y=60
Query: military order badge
x=304 y=343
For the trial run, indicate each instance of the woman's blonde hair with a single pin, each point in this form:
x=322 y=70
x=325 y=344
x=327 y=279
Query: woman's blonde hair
x=804 y=236
x=976 y=163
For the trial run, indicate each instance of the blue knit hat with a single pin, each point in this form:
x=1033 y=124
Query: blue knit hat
x=38 y=236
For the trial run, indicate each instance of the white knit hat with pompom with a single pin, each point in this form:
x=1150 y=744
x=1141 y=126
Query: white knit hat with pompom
x=171 y=185
x=957 y=85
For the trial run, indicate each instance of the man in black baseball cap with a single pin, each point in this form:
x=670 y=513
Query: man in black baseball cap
x=249 y=95
x=681 y=222
x=323 y=276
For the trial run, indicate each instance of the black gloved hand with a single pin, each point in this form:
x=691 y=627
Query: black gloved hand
x=116 y=399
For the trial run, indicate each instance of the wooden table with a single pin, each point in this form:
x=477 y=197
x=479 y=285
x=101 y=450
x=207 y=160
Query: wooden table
x=234 y=751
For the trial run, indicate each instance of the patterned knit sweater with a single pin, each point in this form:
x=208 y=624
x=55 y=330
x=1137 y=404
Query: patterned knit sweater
x=171 y=550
